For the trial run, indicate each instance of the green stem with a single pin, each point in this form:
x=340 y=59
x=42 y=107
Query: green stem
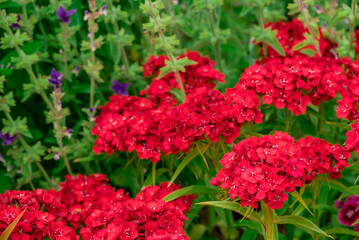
x=306 y=19
x=121 y=49
x=59 y=131
x=169 y=52
x=261 y=24
x=154 y=173
x=25 y=19
x=66 y=46
x=28 y=150
x=30 y=72
x=352 y=25
x=268 y=215
x=321 y=120
x=42 y=29
x=287 y=120
x=216 y=45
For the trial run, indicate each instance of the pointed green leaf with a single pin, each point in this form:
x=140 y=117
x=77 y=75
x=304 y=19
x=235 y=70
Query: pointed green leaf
x=190 y=190
x=236 y=207
x=300 y=222
x=353 y=190
x=189 y=157
x=344 y=231
x=299 y=198
x=6 y=234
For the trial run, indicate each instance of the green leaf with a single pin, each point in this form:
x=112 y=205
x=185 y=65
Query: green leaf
x=267 y=36
x=6 y=234
x=236 y=207
x=353 y=190
x=190 y=190
x=336 y=182
x=188 y=158
x=301 y=222
x=355 y=223
x=344 y=231
x=299 y=198
x=149 y=180
x=5 y=182
x=249 y=224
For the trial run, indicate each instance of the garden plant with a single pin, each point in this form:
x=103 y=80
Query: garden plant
x=179 y=119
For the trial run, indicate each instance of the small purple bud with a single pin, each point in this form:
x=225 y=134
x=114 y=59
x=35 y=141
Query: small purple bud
x=338 y=204
x=63 y=15
x=16 y=25
x=55 y=79
x=2 y=160
x=87 y=15
x=91 y=109
x=103 y=10
x=319 y=10
x=7 y=139
x=56 y=156
x=69 y=133
x=120 y=88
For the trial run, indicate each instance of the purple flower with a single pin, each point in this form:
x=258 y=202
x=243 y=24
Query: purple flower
x=16 y=25
x=120 y=88
x=338 y=204
x=319 y=10
x=91 y=109
x=349 y=212
x=55 y=78
x=7 y=139
x=103 y=10
x=69 y=133
x=63 y=15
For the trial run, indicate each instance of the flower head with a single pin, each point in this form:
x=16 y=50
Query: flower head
x=55 y=79
x=7 y=139
x=120 y=88
x=63 y=15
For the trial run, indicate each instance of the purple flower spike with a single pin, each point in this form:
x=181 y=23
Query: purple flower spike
x=7 y=139
x=16 y=25
x=63 y=15
x=55 y=78
x=120 y=88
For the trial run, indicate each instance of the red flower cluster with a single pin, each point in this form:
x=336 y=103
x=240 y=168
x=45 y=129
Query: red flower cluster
x=294 y=82
x=349 y=90
x=267 y=167
x=130 y=123
x=352 y=142
x=91 y=204
x=290 y=34
x=356 y=35
x=154 y=124
x=202 y=74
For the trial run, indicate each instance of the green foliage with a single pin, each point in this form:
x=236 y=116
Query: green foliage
x=114 y=46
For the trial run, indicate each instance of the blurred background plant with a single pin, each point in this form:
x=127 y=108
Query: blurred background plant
x=97 y=44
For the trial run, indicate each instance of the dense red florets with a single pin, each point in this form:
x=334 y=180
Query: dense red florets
x=295 y=82
x=199 y=75
x=265 y=168
x=129 y=123
x=101 y=212
x=290 y=34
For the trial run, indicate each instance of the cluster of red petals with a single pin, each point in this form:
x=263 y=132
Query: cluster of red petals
x=356 y=35
x=92 y=206
x=202 y=74
x=352 y=142
x=294 y=82
x=266 y=168
x=348 y=105
x=129 y=123
x=290 y=34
